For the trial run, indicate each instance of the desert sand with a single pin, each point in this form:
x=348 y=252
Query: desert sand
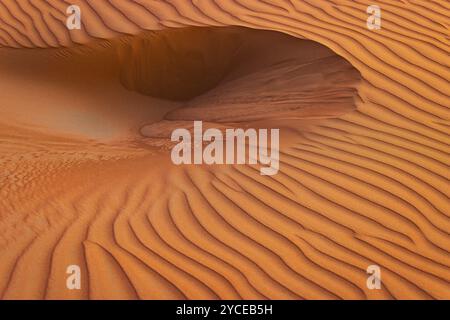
x=85 y=171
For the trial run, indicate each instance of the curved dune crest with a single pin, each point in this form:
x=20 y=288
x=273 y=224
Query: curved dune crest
x=85 y=181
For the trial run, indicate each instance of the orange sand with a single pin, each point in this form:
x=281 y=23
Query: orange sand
x=86 y=176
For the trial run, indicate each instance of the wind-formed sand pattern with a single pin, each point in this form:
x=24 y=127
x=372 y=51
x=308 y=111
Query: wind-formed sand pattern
x=85 y=171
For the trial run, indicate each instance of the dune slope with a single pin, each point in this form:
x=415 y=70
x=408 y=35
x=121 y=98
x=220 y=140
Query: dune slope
x=363 y=183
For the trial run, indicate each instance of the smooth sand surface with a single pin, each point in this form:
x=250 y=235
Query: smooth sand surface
x=86 y=177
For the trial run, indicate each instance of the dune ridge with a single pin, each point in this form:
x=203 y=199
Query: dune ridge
x=366 y=186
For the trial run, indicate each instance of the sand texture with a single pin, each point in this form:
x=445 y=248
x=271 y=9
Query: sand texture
x=85 y=171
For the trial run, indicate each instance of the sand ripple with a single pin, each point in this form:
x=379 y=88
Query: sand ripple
x=364 y=185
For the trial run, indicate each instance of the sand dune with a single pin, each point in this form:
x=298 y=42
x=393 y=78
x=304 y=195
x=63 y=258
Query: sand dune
x=86 y=177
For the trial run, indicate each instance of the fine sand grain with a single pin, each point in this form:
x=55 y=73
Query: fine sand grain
x=86 y=176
